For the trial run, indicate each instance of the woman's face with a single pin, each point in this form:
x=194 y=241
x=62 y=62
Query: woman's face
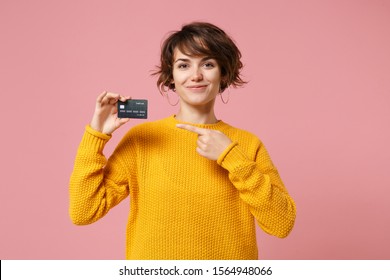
x=197 y=79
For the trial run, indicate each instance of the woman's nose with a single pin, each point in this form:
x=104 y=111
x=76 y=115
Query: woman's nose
x=197 y=75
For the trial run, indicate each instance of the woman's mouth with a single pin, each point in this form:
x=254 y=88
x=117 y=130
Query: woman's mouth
x=197 y=87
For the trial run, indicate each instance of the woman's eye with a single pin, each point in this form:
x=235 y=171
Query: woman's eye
x=182 y=66
x=209 y=65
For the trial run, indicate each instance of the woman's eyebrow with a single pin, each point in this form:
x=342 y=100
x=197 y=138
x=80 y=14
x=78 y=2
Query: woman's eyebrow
x=207 y=58
x=182 y=59
x=188 y=60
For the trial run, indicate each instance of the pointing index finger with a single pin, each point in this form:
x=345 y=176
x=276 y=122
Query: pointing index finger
x=192 y=128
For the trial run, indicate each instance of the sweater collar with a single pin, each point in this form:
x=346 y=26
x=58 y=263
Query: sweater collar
x=219 y=125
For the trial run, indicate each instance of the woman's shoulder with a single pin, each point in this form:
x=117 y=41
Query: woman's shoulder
x=242 y=133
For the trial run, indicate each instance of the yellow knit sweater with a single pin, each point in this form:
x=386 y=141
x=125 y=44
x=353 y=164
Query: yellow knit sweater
x=183 y=206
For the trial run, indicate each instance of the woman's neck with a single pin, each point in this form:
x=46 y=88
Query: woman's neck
x=196 y=115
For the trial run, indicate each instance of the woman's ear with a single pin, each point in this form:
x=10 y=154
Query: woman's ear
x=224 y=84
x=172 y=85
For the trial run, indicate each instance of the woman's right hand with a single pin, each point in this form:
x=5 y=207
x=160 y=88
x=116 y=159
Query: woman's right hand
x=105 y=119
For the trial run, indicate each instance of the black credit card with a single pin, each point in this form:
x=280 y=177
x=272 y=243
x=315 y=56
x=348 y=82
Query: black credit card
x=133 y=108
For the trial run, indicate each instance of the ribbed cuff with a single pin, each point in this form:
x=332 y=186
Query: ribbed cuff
x=96 y=133
x=232 y=157
x=93 y=139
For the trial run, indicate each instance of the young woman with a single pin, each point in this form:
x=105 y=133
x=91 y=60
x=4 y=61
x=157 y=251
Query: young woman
x=197 y=185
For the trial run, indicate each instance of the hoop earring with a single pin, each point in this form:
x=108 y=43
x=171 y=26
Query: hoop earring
x=169 y=101
x=228 y=97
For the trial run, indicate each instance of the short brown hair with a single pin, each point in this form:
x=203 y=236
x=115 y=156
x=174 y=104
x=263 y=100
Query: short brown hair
x=201 y=38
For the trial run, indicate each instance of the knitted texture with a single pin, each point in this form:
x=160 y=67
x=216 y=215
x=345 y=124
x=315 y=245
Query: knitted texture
x=182 y=205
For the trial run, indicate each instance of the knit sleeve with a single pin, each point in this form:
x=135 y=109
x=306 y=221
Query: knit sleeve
x=260 y=186
x=96 y=185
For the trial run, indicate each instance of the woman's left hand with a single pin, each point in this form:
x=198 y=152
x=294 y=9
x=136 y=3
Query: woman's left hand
x=211 y=143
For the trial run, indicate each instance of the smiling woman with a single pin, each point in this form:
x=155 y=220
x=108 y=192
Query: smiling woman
x=206 y=40
x=201 y=58
x=197 y=80
x=197 y=184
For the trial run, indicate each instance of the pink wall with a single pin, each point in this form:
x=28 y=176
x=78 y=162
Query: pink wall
x=318 y=96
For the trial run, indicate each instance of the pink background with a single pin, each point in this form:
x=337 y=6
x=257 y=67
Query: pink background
x=318 y=97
